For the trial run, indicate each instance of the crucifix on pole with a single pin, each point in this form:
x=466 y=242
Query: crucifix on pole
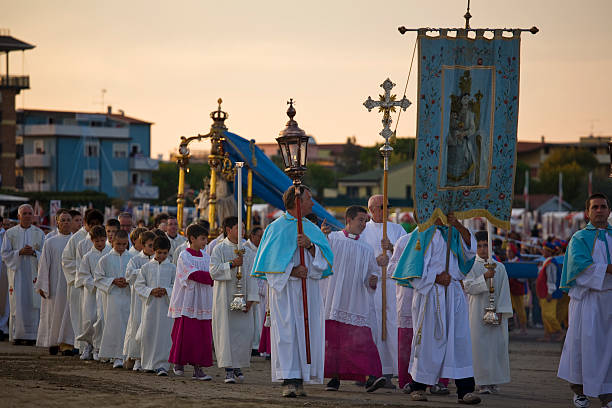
x=386 y=104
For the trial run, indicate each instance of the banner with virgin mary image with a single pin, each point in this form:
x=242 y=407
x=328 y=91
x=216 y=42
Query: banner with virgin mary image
x=466 y=130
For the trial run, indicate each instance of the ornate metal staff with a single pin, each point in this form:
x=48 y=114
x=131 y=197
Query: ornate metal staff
x=386 y=104
x=239 y=304
x=490 y=316
x=293 y=144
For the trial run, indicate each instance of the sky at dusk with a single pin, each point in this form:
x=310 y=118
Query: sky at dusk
x=168 y=62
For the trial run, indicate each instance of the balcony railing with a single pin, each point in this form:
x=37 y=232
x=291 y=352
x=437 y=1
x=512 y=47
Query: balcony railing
x=144 y=163
x=15 y=81
x=37 y=160
x=36 y=187
x=145 y=192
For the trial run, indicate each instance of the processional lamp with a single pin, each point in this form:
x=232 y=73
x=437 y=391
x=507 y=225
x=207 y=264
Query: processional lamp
x=293 y=144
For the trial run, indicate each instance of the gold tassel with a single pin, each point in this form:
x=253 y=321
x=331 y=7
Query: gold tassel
x=418 y=245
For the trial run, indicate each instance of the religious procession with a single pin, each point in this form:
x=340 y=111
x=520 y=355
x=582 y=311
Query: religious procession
x=459 y=298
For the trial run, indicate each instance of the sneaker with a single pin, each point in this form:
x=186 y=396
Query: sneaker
x=199 y=374
x=485 y=389
x=238 y=375
x=289 y=391
x=333 y=385
x=161 y=372
x=389 y=383
x=300 y=391
x=137 y=366
x=179 y=370
x=95 y=356
x=374 y=383
x=230 y=378
x=407 y=388
x=418 y=395
x=439 y=389
x=87 y=352
x=581 y=401
x=469 y=399
x=118 y=363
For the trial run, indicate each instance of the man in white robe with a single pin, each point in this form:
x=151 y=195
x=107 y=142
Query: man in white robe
x=489 y=342
x=4 y=293
x=20 y=252
x=232 y=330
x=586 y=361
x=175 y=238
x=280 y=243
x=259 y=309
x=55 y=328
x=374 y=237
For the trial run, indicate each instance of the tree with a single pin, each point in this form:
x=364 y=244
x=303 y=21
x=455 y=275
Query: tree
x=166 y=178
x=349 y=161
x=318 y=178
x=403 y=150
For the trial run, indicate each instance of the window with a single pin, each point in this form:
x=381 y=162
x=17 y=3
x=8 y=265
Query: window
x=39 y=146
x=134 y=150
x=352 y=191
x=91 y=178
x=120 y=150
x=408 y=192
x=92 y=149
x=135 y=179
x=120 y=178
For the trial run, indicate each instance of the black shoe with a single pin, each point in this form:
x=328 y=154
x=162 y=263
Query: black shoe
x=53 y=350
x=374 y=383
x=29 y=342
x=18 y=343
x=254 y=352
x=333 y=385
x=68 y=353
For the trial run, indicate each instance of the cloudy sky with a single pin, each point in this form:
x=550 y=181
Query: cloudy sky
x=168 y=61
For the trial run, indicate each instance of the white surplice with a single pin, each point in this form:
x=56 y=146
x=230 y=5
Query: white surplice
x=115 y=301
x=372 y=234
x=403 y=293
x=71 y=261
x=174 y=244
x=22 y=271
x=441 y=346
x=131 y=346
x=232 y=330
x=287 y=338
x=587 y=353
x=154 y=334
x=92 y=319
x=347 y=296
x=190 y=298
x=55 y=326
x=489 y=343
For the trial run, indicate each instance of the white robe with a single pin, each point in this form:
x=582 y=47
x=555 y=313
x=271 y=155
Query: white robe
x=403 y=293
x=70 y=263
x=259 y=314
x=92 y=318
x=232 y=330
x=131 y=346
x=489 y=343
x=587 y=353
x=115 y=301
x=287 y=339
x=178 y=250
x=174 y=244
x=154 y=334
x=441 y=346
x=55 y=326
x=372 y=234
x=22 y=271
x=4 y=292
x=211 y=245
x=347 y=296
x=190 y=298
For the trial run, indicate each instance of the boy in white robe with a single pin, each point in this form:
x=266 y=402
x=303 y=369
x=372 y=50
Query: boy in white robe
x=489 y=342
x=55 y=329
x=131 y=346
x=373 y=236
x=91 y=334
x=259 y=310
x=20 y=253
x=136 y=244
x=154 y=286
x=115 y=289
x=586 y=360
x=232 y=330
x=278 y=260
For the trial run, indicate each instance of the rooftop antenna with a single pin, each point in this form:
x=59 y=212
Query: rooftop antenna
x=102 y=101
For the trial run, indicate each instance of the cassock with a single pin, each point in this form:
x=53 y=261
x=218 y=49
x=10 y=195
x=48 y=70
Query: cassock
x=404 y=316
x=175 y=242
x=131 y=346
x=489 y=342
x=587 y=353
x=232 y=330
x=372 y=234
x=350 y=351
x=54 y=327
x=70 y=263
x=155 y=330
x=277 y=255
x=115 y=301
x=441 y=347
x=22 y=271
x=92 y=318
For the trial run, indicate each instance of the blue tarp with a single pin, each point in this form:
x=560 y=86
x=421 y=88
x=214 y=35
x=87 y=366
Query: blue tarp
x=269 y=182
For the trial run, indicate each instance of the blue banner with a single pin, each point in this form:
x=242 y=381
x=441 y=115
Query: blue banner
x=466 y=132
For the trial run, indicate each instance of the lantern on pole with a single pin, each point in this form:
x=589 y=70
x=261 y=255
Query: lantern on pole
x=293 y=144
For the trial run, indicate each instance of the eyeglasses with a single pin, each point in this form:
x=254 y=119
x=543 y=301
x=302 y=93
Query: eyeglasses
x=382 y=206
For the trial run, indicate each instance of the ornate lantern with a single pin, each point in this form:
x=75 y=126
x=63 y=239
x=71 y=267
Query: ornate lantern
x=293 y=144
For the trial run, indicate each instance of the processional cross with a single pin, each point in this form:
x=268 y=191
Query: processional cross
x=386 y=104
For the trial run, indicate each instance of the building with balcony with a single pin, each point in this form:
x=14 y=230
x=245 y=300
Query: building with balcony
x=75 y=151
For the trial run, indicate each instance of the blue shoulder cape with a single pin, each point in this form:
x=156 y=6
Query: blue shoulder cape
x=279 y=242
x=579 y=255
x=411 y=262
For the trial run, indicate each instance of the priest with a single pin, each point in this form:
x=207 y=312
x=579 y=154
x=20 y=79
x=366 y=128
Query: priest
x=278 y=261
x=21 y=250
x=176 y=239
x=55 y=329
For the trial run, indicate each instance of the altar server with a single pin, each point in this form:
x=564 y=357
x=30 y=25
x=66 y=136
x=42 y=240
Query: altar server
x=259 y=310
x=176 y=239
x=136 y=244
x=278 y=261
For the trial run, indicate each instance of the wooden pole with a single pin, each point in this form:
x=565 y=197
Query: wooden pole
x=298 y=210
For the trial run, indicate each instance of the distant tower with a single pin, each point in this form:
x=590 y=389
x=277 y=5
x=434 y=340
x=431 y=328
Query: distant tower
x=10 y=86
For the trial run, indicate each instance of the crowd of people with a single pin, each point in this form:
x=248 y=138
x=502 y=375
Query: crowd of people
x=151 y=299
